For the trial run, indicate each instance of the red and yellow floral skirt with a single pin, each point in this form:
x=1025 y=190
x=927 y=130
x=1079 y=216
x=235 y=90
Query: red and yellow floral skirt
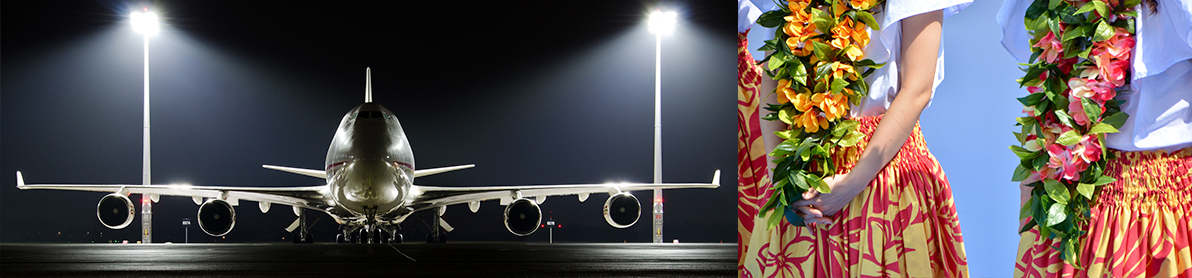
x=1138 y=227
x=903 y=224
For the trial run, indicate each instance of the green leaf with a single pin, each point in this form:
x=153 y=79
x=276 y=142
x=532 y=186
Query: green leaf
x=785 y=134
x=1031 y=99
x=787 y=145
x=1020 y=173
x=1091 y=109
x=822 y=70
x=1037 y=8
x=1064 y=118
x=1057 y=191
x=772 y=19
x=822 y=20
x=776 y=61
x=1088 y=7
x=797 y=71
x=823 y=51
x=1023 y=153
x=1041 y=160
x=785 y=114
x=801 y=181
x=1027 y=209
x=1085 y=189
x=1101 y=8
x=1027 y=227
x=1104 y=31
x=1051 y=5
x=819 y=184
x=1084 y=53
x=852 y=138
x=1070 y=34
x=844 y=127
x=1068 y=138
x=1103 y=180
x=1102 y=128
x=868 y=19
x=1026 y=121
x=870 y=63
x=1116 y=119
x=839 y=84
x=1056 y=214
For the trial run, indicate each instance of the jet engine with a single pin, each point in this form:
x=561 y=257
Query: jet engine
x=522 y=217
x=216 y=217
x=622 y=210
x=115 y=211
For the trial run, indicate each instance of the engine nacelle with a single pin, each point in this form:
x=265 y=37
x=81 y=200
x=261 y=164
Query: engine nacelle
x=622 y=210
x=115 y=211
x=216 y=217
x=522 y=217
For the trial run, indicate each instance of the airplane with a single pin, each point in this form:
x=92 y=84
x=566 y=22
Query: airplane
x=369 y=189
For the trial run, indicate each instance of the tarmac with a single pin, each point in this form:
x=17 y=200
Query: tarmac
x=365 y=260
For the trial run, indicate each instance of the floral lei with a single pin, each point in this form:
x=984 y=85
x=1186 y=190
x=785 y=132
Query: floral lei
x=818 y=61
x=1080 y=62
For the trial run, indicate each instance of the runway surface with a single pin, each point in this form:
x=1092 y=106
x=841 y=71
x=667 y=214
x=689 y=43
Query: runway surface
x=381 y=260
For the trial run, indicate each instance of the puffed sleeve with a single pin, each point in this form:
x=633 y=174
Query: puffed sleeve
x=747 y=14
x=1015 y=38
x=1164 y=37
x=897 y=10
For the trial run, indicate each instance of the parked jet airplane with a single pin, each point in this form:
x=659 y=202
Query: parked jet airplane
x=369 y=191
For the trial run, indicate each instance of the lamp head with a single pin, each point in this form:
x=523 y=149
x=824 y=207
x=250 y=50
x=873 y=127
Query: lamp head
x=145 y=22
x=662 y=22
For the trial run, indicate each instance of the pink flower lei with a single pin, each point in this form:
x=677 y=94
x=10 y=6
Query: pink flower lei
x=1080 y=62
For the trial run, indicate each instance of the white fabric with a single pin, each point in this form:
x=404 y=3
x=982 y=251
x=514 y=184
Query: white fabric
x=1161 y=78
x=747 y=14
x=885 y=46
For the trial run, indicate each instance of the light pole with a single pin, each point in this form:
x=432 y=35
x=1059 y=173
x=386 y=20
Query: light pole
x=145 y=23
x=660 y=23
x=186 y=225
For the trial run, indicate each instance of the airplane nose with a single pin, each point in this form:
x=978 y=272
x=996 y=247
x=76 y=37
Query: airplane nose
x=370 y=184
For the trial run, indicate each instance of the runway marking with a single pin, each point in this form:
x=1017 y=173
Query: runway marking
x=399 y=252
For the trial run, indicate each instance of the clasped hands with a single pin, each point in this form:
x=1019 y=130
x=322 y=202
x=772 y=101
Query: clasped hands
x=817 y=207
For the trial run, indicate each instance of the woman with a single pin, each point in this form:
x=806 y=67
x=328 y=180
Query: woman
x=890 y=211
x=1139 y=225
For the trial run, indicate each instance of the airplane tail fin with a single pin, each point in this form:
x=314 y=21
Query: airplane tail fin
x=367 y=85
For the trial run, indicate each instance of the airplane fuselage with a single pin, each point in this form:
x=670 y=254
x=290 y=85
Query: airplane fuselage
x=369 y=164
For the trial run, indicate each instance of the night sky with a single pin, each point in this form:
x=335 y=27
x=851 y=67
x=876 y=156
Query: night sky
x=532 y=93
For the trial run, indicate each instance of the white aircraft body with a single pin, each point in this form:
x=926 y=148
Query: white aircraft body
x=369 y=173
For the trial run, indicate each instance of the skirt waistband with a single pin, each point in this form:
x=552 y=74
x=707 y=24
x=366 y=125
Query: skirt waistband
x=1148 y=180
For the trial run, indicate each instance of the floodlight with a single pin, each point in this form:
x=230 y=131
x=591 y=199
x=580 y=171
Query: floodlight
x=145 y=22
x=662 y=22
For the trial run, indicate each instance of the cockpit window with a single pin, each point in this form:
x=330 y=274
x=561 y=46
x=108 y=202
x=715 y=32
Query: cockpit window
x=376 y=115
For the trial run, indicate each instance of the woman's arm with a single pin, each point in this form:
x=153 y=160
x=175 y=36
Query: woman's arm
x=920 y=48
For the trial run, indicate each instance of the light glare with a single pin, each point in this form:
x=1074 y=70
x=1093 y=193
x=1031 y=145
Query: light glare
x=662 y=22
x=145 y=22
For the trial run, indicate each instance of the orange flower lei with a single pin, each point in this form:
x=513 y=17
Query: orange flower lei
x=820 y=65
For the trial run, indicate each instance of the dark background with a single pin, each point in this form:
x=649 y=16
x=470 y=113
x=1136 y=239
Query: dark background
x=532 y=92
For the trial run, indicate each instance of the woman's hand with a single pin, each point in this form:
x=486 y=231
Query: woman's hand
x=817 y=207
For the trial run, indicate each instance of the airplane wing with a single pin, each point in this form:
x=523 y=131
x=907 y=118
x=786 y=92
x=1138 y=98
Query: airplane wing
x=323 y=174
x=438 y=196
x=304 y=197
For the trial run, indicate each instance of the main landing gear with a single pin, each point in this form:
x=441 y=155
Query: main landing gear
x=370 y=234
x=302 y=234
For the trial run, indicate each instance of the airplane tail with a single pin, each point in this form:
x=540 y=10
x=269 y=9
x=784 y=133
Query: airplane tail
x=367 y=85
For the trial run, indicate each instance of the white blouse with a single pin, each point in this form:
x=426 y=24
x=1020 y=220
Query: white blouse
x=885 y=45
x=1161 y=74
